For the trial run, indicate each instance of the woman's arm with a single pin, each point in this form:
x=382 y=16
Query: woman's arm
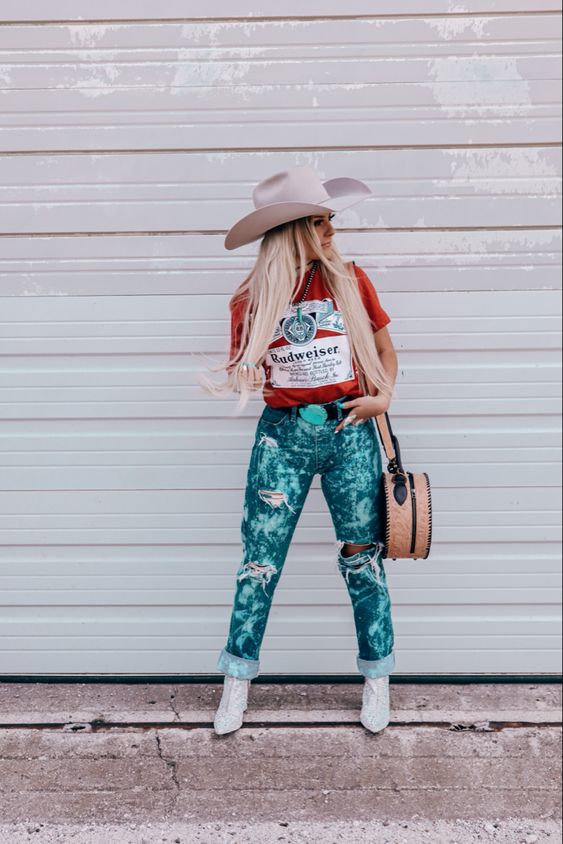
x=367 y=406
x=387 y=353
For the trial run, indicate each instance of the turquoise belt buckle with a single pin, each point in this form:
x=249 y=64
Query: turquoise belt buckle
x=315 y=414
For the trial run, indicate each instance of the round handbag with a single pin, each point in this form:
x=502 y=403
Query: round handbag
x=406 y=502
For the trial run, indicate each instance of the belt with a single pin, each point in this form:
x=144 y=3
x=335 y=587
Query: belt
x=317 y=414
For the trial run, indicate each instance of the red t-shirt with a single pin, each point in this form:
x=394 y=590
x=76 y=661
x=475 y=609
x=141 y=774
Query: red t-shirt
x=309 y=361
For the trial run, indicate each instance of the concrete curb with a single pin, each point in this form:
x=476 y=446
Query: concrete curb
x=59 y=704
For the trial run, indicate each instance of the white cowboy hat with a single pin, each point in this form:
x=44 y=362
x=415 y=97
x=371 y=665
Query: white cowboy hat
x=292 y=194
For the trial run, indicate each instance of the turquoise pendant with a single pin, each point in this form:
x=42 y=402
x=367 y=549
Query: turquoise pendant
x=299 y=330
x=315 y=414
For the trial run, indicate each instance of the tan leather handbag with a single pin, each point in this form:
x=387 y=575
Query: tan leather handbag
x=407 y=503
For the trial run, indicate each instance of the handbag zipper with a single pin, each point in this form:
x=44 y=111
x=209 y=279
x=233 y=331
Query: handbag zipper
x=413 y=505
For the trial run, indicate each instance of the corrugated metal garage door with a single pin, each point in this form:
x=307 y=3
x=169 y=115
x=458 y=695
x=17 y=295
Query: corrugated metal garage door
x=128 y=146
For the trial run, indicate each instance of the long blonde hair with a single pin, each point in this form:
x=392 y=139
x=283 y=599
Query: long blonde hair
x=269 y=289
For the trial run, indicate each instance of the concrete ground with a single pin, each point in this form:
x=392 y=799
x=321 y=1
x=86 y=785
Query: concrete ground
x=356 y=832
x=140 y=763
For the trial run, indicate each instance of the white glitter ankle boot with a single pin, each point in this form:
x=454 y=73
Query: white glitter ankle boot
x=232 y=706
x=375 y=704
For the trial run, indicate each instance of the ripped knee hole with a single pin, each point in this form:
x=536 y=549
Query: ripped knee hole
x=257 y=572
x=349 y=550
x=367 y=558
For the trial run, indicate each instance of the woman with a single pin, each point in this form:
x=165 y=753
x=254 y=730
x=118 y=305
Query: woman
x=316 y=329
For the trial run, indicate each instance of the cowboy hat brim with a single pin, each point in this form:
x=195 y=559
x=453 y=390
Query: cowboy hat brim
x=343 y=193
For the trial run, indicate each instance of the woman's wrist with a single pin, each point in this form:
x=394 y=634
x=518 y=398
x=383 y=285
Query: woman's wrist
x=380 y=404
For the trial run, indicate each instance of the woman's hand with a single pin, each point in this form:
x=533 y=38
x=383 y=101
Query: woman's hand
x=363 y=408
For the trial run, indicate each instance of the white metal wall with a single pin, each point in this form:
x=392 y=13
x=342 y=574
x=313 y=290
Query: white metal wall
x=128 y=145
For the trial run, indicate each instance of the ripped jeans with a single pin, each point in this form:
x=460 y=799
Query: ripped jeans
x=287 y=453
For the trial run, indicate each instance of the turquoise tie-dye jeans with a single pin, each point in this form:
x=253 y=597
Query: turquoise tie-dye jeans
x=287 y=453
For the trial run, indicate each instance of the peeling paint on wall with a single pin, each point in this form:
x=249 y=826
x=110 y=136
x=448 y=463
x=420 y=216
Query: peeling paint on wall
x=90 y=35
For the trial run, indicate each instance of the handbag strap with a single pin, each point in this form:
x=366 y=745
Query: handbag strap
x=390 y=443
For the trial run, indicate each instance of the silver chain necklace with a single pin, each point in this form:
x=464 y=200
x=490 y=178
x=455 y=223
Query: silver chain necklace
x=308 y=285
x=301 y=328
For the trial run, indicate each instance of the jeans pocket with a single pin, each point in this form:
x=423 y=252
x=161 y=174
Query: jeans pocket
x=273 y=416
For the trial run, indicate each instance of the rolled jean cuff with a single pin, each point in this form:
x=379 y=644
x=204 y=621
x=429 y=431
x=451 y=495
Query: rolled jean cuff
x=377 y=667
x=237 y=666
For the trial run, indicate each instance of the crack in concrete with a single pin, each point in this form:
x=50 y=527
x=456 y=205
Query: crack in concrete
x=172 y=701
x=171 y=764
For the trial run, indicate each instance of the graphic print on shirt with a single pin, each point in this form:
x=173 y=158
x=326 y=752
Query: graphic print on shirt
x=309 y=361
x=328 y=373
